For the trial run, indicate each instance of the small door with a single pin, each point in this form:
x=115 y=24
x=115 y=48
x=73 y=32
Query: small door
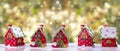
x=108 y=42
x=60 y=43
x=84 y=36
x=38 y=42
x=19 y=41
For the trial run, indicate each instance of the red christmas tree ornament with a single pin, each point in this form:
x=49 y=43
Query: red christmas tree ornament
x=38 y=39
x=85 y=37
x=14 y=36
x=60 y=40
x=108 y=36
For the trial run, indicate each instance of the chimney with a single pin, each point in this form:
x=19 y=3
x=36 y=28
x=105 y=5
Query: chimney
x=41 y=26
x=82 y=26
x=10 y=25
x=105 y=25
x=63 y=27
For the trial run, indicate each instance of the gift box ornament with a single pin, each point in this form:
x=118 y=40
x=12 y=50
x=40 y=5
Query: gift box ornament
x=60 y=40
x=14 y=36
x=38 y=39
x=108 y=36
x=85 y=37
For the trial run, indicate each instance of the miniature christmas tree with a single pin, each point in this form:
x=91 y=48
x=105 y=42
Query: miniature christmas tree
x=60 y=40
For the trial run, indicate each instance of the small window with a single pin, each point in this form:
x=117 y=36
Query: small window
x=9 y=36
x=84 y=36
x=60 y=36
x=108 y=42
x=19 y=41
x=38 y=36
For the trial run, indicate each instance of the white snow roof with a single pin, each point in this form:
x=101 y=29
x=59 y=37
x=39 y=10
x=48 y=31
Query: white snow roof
x=17 y=32
x=88 y=30
x=108 y=32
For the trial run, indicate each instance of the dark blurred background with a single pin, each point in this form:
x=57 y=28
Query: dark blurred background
x=28 y=14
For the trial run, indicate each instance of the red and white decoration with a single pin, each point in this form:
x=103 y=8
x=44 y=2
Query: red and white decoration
x=109 y=36
x=38 y=39
x=60 y=40
x=14 y=36
x=85 y=37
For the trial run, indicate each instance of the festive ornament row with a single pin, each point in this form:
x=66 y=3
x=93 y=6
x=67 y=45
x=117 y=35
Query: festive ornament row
x=14 y=37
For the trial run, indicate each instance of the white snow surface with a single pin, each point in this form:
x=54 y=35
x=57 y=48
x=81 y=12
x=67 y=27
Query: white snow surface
x=71 y=47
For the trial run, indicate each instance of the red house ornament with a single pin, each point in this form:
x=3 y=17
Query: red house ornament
x=60 y=40
x=14 y=36
x=85 y=37
x=108 y=36
x=38 y=39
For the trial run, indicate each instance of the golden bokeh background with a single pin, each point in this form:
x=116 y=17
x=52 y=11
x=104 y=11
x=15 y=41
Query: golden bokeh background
x=28 y=14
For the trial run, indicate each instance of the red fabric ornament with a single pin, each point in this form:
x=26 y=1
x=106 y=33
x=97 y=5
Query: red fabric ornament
x=38 y=39
x=11 y=39
x=108 y=35
x=60 y=39
x=85 y=37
